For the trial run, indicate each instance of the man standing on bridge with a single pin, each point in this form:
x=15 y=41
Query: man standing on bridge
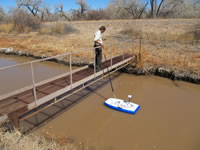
x=98 y=44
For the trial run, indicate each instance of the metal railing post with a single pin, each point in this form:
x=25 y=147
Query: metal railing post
x=111 y=57
x=140 y=46
x=70 y=64
x=124 y=46
x=132 y=47
x=94 y=51
x=34 y=89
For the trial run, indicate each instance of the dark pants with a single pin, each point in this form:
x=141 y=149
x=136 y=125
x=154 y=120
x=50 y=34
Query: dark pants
x=98 y=57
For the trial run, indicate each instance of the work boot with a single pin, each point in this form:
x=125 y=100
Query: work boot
x=91 y=66
x=98 y=69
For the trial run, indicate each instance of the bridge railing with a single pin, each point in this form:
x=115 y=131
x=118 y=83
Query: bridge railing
x=88 y=55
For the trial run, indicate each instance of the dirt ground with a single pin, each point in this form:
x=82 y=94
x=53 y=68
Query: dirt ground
x=171 y=43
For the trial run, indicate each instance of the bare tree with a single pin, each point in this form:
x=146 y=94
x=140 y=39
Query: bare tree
x=83 y=6
x=75 y=14
x=168 y=8
x=45 y=12
x=191 y=9
x=32 y=5
x=196 y=2
x=134 y=7
x=2 y=14
x=1 y=9
x=20 y=18
x=156 y=7
x=96 y=14
x=197 y=7
x=172 y=8
x=59 y=10
x=113 y=11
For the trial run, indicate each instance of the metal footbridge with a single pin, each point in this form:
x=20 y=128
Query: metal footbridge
x=38 y=95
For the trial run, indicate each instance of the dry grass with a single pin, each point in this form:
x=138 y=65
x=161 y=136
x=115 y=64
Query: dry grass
x=176 y=60
x=6 y=28
x=15 y=140
x=168 y=31
x=59 y=28
x=171 y=43
x=166 y=43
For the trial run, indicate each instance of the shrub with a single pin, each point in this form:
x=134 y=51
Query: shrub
x=196 y=32
x=57 y=28
x=2 y=15
x=96 y=15
x=155 y=37
x=7 y=28
x=23 y=21
x=132 y=32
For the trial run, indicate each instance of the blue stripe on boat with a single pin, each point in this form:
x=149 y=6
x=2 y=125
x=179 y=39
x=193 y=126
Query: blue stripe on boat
x=121 y=109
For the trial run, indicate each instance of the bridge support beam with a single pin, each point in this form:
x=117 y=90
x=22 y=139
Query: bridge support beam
x=14 y=116
x=14 y=119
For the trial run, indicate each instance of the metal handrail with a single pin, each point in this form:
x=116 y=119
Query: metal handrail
x=61 y=55
x=70 y=63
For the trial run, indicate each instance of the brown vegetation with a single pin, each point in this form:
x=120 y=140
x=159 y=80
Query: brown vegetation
x=167 y=43
x=116 y=9
x=170 y=44
x=58 y=28
x=15 y=140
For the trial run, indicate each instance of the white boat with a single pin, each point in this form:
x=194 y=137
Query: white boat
x=121 y=105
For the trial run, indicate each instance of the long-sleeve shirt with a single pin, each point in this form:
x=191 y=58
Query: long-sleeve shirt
x=98 y=37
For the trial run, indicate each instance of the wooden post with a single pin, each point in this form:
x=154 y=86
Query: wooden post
x=14 y=116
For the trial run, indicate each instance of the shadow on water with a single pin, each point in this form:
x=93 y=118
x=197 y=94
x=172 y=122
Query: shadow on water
x=175 y=84
x=48 y=114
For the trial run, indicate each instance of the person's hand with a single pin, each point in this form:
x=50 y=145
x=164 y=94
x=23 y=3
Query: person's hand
x=102 y=45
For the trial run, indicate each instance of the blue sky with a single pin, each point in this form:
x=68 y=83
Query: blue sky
x=69 y=4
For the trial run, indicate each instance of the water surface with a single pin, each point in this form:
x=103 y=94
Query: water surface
x=168 y=118
x=19 y=77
